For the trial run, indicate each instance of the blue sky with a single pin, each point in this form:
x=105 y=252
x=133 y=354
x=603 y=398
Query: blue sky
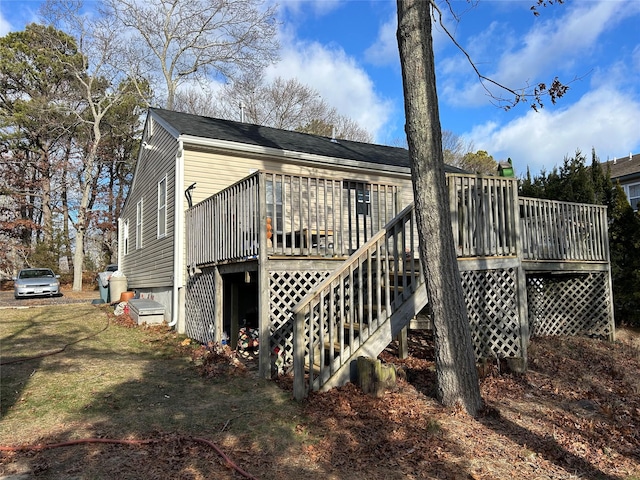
x=346 y=49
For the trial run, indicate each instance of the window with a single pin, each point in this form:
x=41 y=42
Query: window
x=162 y=207
x=633 y=194
x=274 y=205
x=139 y=225
x=125 y=237
x=361 y=195
x=363 y=205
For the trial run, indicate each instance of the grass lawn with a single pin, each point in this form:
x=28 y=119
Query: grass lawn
x=70 y=373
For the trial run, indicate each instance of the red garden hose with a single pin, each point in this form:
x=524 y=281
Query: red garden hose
x=23 y=448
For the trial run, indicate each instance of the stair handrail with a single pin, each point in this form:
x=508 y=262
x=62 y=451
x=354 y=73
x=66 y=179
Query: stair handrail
x=305 y=306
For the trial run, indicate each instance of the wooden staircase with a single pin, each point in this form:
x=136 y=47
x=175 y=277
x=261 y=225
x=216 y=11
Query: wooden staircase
x=359 y=309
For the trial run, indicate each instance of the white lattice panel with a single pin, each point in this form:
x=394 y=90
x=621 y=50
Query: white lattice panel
x=492 y=305
x=569 y=304
x=200 y=307
x=286 y=289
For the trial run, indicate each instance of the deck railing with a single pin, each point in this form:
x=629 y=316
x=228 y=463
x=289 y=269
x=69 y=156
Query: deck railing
x=563 y=231
x=483 y=215
x=313 y=216
x=225 y=226
x=350 y=305
x=304 y=216
x=322 y=216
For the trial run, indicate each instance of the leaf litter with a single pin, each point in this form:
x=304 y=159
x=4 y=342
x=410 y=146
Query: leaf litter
x=575 y=414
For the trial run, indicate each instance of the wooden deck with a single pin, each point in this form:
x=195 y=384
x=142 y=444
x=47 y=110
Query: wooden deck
x=337 y=262
x=305 y=216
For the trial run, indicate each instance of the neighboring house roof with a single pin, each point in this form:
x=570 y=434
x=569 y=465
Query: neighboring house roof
x=625 y=168
x=286 y=140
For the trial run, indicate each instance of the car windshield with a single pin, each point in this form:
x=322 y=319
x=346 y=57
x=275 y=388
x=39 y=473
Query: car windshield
x=36 y=273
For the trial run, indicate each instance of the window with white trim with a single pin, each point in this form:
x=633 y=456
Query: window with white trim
x=125 y=237
x=633 y=194
x=162 y=207
x=274 y=205
x=139 y=225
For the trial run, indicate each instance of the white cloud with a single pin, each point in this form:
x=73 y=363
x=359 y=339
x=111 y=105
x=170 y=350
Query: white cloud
x=604 y=119
x=15 y=16
x=385 y=49
x=341 y=82
x=562 y=45
x=302 y=7
x=5 y=26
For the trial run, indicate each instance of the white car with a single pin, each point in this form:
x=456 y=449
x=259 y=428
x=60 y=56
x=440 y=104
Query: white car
x=32 y=282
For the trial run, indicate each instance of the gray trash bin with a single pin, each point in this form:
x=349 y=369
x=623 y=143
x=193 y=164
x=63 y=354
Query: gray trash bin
x=103 y=285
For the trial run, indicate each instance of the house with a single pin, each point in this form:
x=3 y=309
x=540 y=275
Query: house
x=309 y=243
x=626 y=171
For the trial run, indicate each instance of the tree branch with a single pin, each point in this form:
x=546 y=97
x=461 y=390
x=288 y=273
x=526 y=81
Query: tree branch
x=534 y=94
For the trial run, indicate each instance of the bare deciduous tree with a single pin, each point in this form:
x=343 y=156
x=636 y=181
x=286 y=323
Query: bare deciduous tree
x=285 y=104
x=454 y=148
x=195 y=40
x=102 y=86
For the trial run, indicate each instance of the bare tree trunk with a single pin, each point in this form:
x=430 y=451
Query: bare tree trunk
x=457 y=376
x=66 y=218
x=47 y=214
x=88 y=176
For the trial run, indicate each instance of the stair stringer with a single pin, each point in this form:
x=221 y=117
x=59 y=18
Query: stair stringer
x=380 y=338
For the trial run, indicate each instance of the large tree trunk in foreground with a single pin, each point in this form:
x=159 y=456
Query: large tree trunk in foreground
x=456 y=372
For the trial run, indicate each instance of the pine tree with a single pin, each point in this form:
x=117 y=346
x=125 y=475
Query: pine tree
x=624 y=247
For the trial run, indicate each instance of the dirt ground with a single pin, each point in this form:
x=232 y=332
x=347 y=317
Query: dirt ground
x=574 y=415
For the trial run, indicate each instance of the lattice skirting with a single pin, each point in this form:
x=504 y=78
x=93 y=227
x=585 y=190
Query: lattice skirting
x=569 y=304
x=200 y=307
x=286 y=289
x=492 y=305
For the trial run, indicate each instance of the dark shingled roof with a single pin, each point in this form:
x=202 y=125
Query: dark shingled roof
x=624 y=167
x=250 y=134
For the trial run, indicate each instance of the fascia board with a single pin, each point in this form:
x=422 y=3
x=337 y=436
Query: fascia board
x=167 y=126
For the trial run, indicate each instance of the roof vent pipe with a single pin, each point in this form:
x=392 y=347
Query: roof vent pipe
x=333 y=135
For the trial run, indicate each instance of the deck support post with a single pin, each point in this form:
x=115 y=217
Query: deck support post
x=264 y=311
x=403 y=347
x=523 y=313
x=218 y=313
x=299 y=390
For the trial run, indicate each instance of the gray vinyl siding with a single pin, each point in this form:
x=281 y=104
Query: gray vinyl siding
x=152 y=265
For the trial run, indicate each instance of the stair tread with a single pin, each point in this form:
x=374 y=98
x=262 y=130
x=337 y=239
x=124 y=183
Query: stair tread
x=356 y=326
x=316 y=368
